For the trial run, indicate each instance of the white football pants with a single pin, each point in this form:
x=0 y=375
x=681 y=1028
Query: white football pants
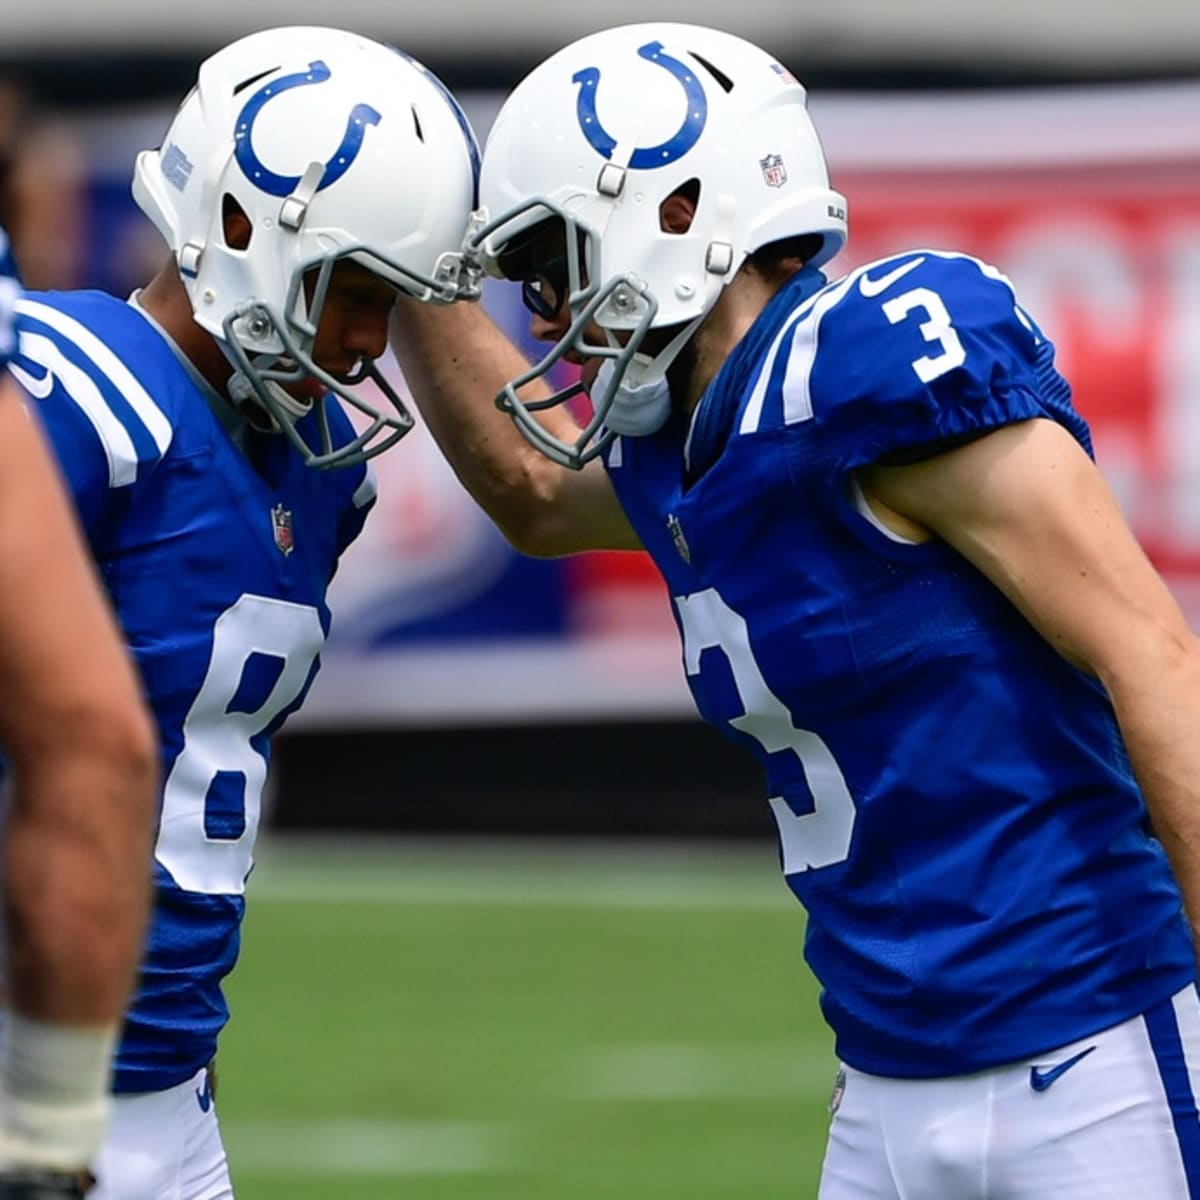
x=164 y=1146
x=1110 y=1117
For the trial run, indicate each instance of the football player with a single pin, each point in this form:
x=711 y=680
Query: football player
x=899 y=581
x=78 y=820
x=309 y=177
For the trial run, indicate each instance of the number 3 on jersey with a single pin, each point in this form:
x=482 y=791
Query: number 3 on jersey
x=217 y=741
x=937 y=329
x=816 y=839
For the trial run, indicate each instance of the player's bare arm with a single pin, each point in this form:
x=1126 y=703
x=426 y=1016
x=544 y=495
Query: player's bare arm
x=1031 y=510
x=455 y=361
x=77 y=837
x=72 y=720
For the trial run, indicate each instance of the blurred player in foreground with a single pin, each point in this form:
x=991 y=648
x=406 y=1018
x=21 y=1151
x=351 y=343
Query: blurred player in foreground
x=309 y=177
x=899 y=580
x=78 y=820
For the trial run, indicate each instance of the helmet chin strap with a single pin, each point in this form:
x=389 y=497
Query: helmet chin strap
x=640 y=402
x=634 y=410
x=246 y=399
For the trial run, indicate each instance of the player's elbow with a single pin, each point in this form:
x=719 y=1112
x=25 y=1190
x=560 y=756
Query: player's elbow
x=1153 y=659
x=537 y=532
x=530 y=503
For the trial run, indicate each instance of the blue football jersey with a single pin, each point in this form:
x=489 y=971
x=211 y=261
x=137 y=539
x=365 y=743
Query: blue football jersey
x=217 y=559
x=10 y=289
x=955 y=806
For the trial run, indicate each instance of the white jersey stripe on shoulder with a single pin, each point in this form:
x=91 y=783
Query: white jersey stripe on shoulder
x=118 y=446
x=366 y=491
x=802 y=325
x=117 y=372
x=753 y=413
x=797 y=393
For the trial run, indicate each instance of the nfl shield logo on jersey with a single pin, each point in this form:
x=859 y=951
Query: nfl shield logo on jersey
x=281 y=522
x=676 y=532
x=774 y=172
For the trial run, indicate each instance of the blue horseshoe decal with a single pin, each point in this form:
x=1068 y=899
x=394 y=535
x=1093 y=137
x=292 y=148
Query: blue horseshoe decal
x=336 y=166
x=644 y=157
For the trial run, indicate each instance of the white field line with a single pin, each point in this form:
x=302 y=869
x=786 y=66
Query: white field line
x=351 y=1146
x=670 y=1073
x=680 y=1071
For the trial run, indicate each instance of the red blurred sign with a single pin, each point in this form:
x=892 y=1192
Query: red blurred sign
x=1108 y=262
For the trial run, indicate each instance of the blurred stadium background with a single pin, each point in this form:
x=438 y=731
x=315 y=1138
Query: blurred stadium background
x=516 y=928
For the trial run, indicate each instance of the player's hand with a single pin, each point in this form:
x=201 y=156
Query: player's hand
x=44 y=1185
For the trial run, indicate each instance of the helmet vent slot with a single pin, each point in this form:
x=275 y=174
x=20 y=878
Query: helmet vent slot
x=416 y=116
x=672 y=218
x=720 y=76
x=237 y=225
x=241 y=87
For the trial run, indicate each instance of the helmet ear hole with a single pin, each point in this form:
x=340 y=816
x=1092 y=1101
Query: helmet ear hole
x=678 y=210
x=236 y=223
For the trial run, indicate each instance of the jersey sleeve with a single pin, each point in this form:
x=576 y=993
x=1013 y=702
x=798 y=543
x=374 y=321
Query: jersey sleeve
x=354 y=514
x=925 y=351
x=106 y=430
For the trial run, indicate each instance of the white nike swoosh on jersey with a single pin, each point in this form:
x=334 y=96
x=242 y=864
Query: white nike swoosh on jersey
x=38 y=386
x=874 y=287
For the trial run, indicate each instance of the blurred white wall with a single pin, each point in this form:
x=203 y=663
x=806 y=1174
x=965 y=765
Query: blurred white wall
x=1107 y=34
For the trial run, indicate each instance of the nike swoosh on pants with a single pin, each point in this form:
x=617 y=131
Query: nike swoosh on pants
x=1040 y=1080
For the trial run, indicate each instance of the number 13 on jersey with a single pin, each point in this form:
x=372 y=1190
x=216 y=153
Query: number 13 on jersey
x=811 y=840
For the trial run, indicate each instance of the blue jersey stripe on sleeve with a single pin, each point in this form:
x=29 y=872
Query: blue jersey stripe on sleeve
x=1162 y=1026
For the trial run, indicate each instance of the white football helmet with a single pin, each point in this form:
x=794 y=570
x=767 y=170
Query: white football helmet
x=599 y=136
x=334 y=146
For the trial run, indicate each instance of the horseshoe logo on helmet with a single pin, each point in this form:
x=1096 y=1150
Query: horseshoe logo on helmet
x=336 y=165
x=644 y=157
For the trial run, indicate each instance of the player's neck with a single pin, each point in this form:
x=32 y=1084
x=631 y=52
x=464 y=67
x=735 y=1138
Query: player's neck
x=740 y=305
x=165 y=299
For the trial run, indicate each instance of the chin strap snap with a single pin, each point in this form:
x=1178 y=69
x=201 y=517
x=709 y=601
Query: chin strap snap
x=295 y=207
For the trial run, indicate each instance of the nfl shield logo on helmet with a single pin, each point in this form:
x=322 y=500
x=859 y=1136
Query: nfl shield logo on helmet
x=281 y=522
x=774 y=172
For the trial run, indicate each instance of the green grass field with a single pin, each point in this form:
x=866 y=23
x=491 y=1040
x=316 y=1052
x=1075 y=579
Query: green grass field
x=451 y=1020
